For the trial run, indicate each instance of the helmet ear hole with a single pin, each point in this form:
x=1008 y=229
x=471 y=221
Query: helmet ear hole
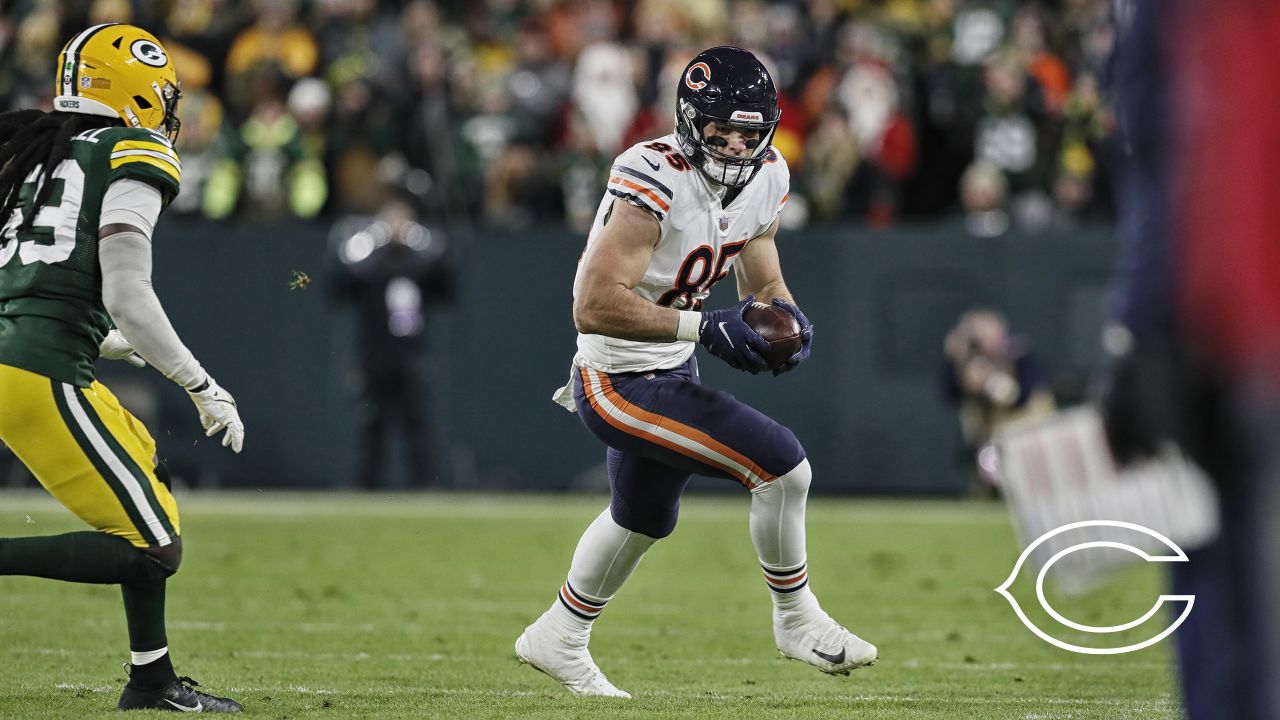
x=142 y=102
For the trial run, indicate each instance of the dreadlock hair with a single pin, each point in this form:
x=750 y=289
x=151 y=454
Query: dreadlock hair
x=29 y=138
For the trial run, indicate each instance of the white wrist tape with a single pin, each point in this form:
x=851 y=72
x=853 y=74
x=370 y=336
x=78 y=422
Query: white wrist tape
x=687 y=330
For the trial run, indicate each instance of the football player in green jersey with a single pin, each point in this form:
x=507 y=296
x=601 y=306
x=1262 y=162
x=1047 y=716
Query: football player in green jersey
x=81 y=189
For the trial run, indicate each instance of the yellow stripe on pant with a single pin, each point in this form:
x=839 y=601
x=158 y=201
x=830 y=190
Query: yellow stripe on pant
x=90 y=453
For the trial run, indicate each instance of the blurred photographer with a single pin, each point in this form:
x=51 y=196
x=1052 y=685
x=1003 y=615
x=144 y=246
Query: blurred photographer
x=393 y=270
x=994 y=380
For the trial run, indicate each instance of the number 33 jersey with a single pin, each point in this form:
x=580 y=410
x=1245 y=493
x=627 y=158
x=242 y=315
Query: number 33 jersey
x=699 y=241
x=52 y=319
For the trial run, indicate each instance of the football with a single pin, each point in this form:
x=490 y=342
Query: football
x=776 y=326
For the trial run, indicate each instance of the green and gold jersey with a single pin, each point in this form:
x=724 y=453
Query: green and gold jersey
x=52 y=319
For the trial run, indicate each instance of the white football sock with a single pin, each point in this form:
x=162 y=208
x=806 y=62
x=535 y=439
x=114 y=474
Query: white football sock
x=777 y=531
x=150 y=656
x=605 y=557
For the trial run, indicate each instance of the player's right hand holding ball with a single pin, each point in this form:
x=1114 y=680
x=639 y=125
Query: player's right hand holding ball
x=725 y=334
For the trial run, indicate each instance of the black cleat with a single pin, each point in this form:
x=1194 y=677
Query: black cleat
x=177 y=696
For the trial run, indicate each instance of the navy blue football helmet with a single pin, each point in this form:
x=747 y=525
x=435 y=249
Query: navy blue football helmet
x=730 y=86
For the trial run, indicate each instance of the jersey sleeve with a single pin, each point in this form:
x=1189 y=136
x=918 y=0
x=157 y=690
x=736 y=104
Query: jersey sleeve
x=642 y=176
x=781 y=181
x=147 y=156
x=776 y=177
x=131 y=202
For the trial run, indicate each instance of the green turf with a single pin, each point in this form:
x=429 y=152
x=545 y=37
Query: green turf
x=348 y=606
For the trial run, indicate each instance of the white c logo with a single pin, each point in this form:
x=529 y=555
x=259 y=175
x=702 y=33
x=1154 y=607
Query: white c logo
x=149 y=53
x=1177 y=556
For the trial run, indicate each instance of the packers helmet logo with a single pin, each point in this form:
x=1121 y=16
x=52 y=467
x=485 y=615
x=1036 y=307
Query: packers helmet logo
x=149 y=53
x=697 y=84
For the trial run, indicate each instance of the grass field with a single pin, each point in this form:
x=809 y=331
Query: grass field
x=358 y=606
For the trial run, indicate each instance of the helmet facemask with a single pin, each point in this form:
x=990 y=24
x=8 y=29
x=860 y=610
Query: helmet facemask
x=719 y=167
x=170 y=94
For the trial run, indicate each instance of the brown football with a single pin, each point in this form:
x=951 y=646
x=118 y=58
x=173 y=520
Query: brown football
x=778 y=328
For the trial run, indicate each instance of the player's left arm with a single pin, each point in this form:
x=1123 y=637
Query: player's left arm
x=758 y=271
x=130 y=209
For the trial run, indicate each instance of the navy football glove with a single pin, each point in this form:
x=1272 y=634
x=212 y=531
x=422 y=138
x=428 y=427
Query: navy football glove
x=727 y=336
x=806 y=336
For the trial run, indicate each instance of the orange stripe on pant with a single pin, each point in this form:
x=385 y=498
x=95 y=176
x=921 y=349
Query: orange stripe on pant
x=685 y=431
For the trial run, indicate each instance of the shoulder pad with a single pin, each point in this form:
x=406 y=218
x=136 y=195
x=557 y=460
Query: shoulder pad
x=775 y=176
x=647 y=173
x=145 y=155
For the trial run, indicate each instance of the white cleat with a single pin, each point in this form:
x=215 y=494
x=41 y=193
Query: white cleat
x=815 y=638
x=565 y=658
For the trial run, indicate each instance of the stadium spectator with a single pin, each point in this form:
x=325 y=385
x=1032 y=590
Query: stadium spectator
x=264 y=170
x=361 y=135
x=993 y=379
x=1048 y=70
x=604 y=93
x=582 y=170
x=392 y=271
x=1011 y=132
x=25 y=63
x=427 y=144
x=983 y=191
x=869 y=95
x=205 y=26
x=275 y=38
x=199 y=147
x=830 y=160
x=491 y=99
x=309 y=103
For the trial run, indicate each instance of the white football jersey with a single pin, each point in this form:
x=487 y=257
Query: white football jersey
x=698 y=243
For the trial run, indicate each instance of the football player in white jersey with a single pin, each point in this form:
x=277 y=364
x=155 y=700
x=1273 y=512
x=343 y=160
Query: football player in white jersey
x=679 y=214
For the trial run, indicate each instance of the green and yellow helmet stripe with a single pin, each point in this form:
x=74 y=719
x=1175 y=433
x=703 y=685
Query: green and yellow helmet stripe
x=69 y=60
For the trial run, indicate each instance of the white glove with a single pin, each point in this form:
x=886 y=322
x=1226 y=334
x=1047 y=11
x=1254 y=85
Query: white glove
x=217 y=413
x=115 y=347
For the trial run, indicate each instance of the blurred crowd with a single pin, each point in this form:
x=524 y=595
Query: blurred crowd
x=509 y=112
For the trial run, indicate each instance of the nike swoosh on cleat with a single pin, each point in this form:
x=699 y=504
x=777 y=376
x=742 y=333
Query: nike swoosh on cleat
x=833 y=659
x=726 y=334
x=184 y=708
x=650 y=163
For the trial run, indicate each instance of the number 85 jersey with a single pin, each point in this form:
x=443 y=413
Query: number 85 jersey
x=696 y=248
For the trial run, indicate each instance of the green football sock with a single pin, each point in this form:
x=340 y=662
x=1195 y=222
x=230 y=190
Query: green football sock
x=86 y=557
x=144 y=609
